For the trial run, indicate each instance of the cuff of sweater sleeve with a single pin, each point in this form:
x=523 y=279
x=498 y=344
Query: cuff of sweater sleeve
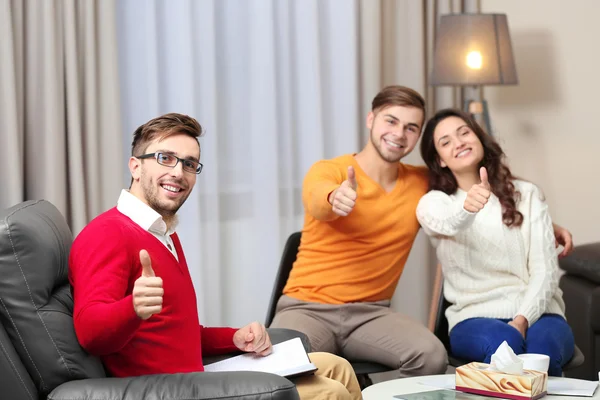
x=319 y=206
x=467 y=213
x=108 y=328
x=464 y=217
x=530 y=315
x=327 y=190
x=218 y=340
x=127 y=316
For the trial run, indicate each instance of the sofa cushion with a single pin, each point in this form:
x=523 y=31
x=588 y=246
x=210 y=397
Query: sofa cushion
x=16 y=382
x=35 y=298
x=584 y=262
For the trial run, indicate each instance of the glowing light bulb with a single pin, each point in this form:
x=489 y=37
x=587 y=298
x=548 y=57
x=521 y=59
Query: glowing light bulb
x=474 y=60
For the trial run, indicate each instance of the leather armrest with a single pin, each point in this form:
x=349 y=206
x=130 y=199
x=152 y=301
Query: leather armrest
x=279 y=335
x=192 y=386
x=584 y=262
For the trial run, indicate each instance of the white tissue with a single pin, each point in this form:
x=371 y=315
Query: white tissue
x=505 y=360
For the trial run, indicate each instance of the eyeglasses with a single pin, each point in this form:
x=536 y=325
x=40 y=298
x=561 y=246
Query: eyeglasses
x=170 y=160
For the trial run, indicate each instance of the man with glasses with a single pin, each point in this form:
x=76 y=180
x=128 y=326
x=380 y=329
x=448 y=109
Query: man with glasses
x=134 y=301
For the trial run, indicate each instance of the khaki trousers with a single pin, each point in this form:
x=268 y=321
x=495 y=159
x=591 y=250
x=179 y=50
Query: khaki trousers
x=365 y=332
x=334 y=380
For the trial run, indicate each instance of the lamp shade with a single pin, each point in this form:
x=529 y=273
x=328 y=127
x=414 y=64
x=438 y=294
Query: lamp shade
x=473 y=49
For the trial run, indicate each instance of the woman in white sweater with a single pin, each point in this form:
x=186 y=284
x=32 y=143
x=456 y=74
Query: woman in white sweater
x=494 y=239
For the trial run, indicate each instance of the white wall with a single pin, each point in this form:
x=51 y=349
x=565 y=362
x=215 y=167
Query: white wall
x=548 y=123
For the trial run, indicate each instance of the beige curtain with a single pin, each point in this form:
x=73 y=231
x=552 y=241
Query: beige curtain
x=60 y=122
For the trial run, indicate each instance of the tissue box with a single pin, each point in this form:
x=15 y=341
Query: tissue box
x=477 y=378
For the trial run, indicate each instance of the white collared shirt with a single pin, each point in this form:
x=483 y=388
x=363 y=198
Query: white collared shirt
x=148 y=219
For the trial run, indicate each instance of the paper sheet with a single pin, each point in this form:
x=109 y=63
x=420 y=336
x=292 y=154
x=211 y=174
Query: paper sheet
x=439 y=381
x=287 y=358
x=571 y=387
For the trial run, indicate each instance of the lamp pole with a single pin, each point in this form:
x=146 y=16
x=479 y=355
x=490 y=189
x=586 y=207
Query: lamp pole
x=478 y=107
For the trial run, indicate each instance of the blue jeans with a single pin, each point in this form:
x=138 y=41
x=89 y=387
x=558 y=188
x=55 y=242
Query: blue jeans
x=476 y=339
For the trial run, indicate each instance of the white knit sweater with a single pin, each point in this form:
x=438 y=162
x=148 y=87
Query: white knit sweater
x=491 y=270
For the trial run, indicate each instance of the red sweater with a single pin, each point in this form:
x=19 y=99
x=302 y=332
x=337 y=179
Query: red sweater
x=103 y=266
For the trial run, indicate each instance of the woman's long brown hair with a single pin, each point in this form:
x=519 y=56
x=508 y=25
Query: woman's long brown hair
x=499 y=175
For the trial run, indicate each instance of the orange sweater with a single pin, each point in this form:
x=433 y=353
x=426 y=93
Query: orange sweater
x=360 y=257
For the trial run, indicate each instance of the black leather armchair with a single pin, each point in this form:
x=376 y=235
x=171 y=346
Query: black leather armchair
x=581 y=291
x=40 y=356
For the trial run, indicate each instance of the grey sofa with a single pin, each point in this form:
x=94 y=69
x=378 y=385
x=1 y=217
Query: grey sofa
x=40 y=356
x=581 y=291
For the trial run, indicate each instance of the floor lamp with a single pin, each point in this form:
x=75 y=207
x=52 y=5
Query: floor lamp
x=473 y=50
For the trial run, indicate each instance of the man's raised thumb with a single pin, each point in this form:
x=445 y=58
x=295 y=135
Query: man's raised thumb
x=147 y=270
x=249 y=335
x=352 y=178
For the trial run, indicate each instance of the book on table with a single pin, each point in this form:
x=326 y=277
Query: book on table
x=287 y=359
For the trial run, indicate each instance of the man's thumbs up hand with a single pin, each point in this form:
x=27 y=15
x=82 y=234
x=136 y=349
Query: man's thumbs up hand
x=147 y=290
x=351 y=181
x=343 y=198
x=147 y=270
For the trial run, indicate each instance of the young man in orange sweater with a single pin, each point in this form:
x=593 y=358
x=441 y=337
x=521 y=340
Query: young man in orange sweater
x=135 y=305
x=359 y=226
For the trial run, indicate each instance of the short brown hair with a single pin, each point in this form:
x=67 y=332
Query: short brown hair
x=396 y=95
x=163 y=127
